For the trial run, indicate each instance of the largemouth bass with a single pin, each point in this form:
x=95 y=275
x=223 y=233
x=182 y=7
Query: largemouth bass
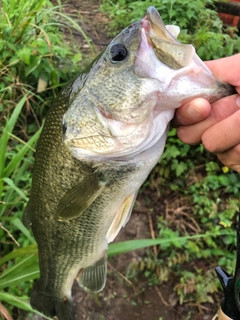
x=100 y=140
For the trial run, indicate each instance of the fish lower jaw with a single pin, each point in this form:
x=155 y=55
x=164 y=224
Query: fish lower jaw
x=98 y=159
x=128 y=148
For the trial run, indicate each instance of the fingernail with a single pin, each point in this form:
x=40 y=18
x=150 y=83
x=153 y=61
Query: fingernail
x=238 y=101
x=194 y=113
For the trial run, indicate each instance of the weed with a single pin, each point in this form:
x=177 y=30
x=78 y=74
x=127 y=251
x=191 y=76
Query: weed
x=199 y=25
x=32 y=51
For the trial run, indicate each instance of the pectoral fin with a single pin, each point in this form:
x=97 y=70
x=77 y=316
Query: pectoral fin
x=79 y=198
x=174 y=55
x=122 y=217
x=93 y=278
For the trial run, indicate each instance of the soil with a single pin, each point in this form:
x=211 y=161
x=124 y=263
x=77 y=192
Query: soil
x=124 y=299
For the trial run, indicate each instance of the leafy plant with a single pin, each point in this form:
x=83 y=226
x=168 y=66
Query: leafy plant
x=32 y=51
x=199 y=24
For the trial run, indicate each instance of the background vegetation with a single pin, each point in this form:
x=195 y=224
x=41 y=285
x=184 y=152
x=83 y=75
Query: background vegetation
x=35 y=62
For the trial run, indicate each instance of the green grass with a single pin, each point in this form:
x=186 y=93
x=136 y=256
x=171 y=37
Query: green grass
x=199 y=25
x=33 y=50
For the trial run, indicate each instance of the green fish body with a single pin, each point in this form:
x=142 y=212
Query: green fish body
x=100 y=140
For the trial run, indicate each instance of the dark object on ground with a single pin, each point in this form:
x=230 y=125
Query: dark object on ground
x=231 y=285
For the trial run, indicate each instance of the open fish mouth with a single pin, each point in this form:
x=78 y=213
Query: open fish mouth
x=163 y=41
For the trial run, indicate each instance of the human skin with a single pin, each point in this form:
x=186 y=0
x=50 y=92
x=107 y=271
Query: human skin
x=216 y=125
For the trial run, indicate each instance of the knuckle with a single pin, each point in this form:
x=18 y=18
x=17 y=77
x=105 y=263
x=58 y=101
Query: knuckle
x=187 y=137
x=208 y=142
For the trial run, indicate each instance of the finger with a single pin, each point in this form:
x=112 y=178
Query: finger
x=226 y=69
x=221 y=109
x=191 y=112
x=231 y=158
x=223 y=135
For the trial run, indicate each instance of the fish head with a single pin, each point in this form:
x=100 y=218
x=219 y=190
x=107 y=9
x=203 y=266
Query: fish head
x=123 y=104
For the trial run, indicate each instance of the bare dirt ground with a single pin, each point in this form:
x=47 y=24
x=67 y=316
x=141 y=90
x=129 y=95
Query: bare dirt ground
x=124 y=299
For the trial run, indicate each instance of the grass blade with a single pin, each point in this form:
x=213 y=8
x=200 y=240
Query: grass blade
x=126 y=246
x=5 y=136
x=13 y=186
x=19 y=156
x=21 y=303
x=74 y=24
x=20 y=264
x=18 y=223
x=20 y=272
x=23 y=252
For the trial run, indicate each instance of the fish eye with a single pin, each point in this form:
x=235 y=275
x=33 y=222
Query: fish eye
x=118 y=52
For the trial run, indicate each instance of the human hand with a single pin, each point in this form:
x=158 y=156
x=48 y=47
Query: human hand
x=217 y=125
